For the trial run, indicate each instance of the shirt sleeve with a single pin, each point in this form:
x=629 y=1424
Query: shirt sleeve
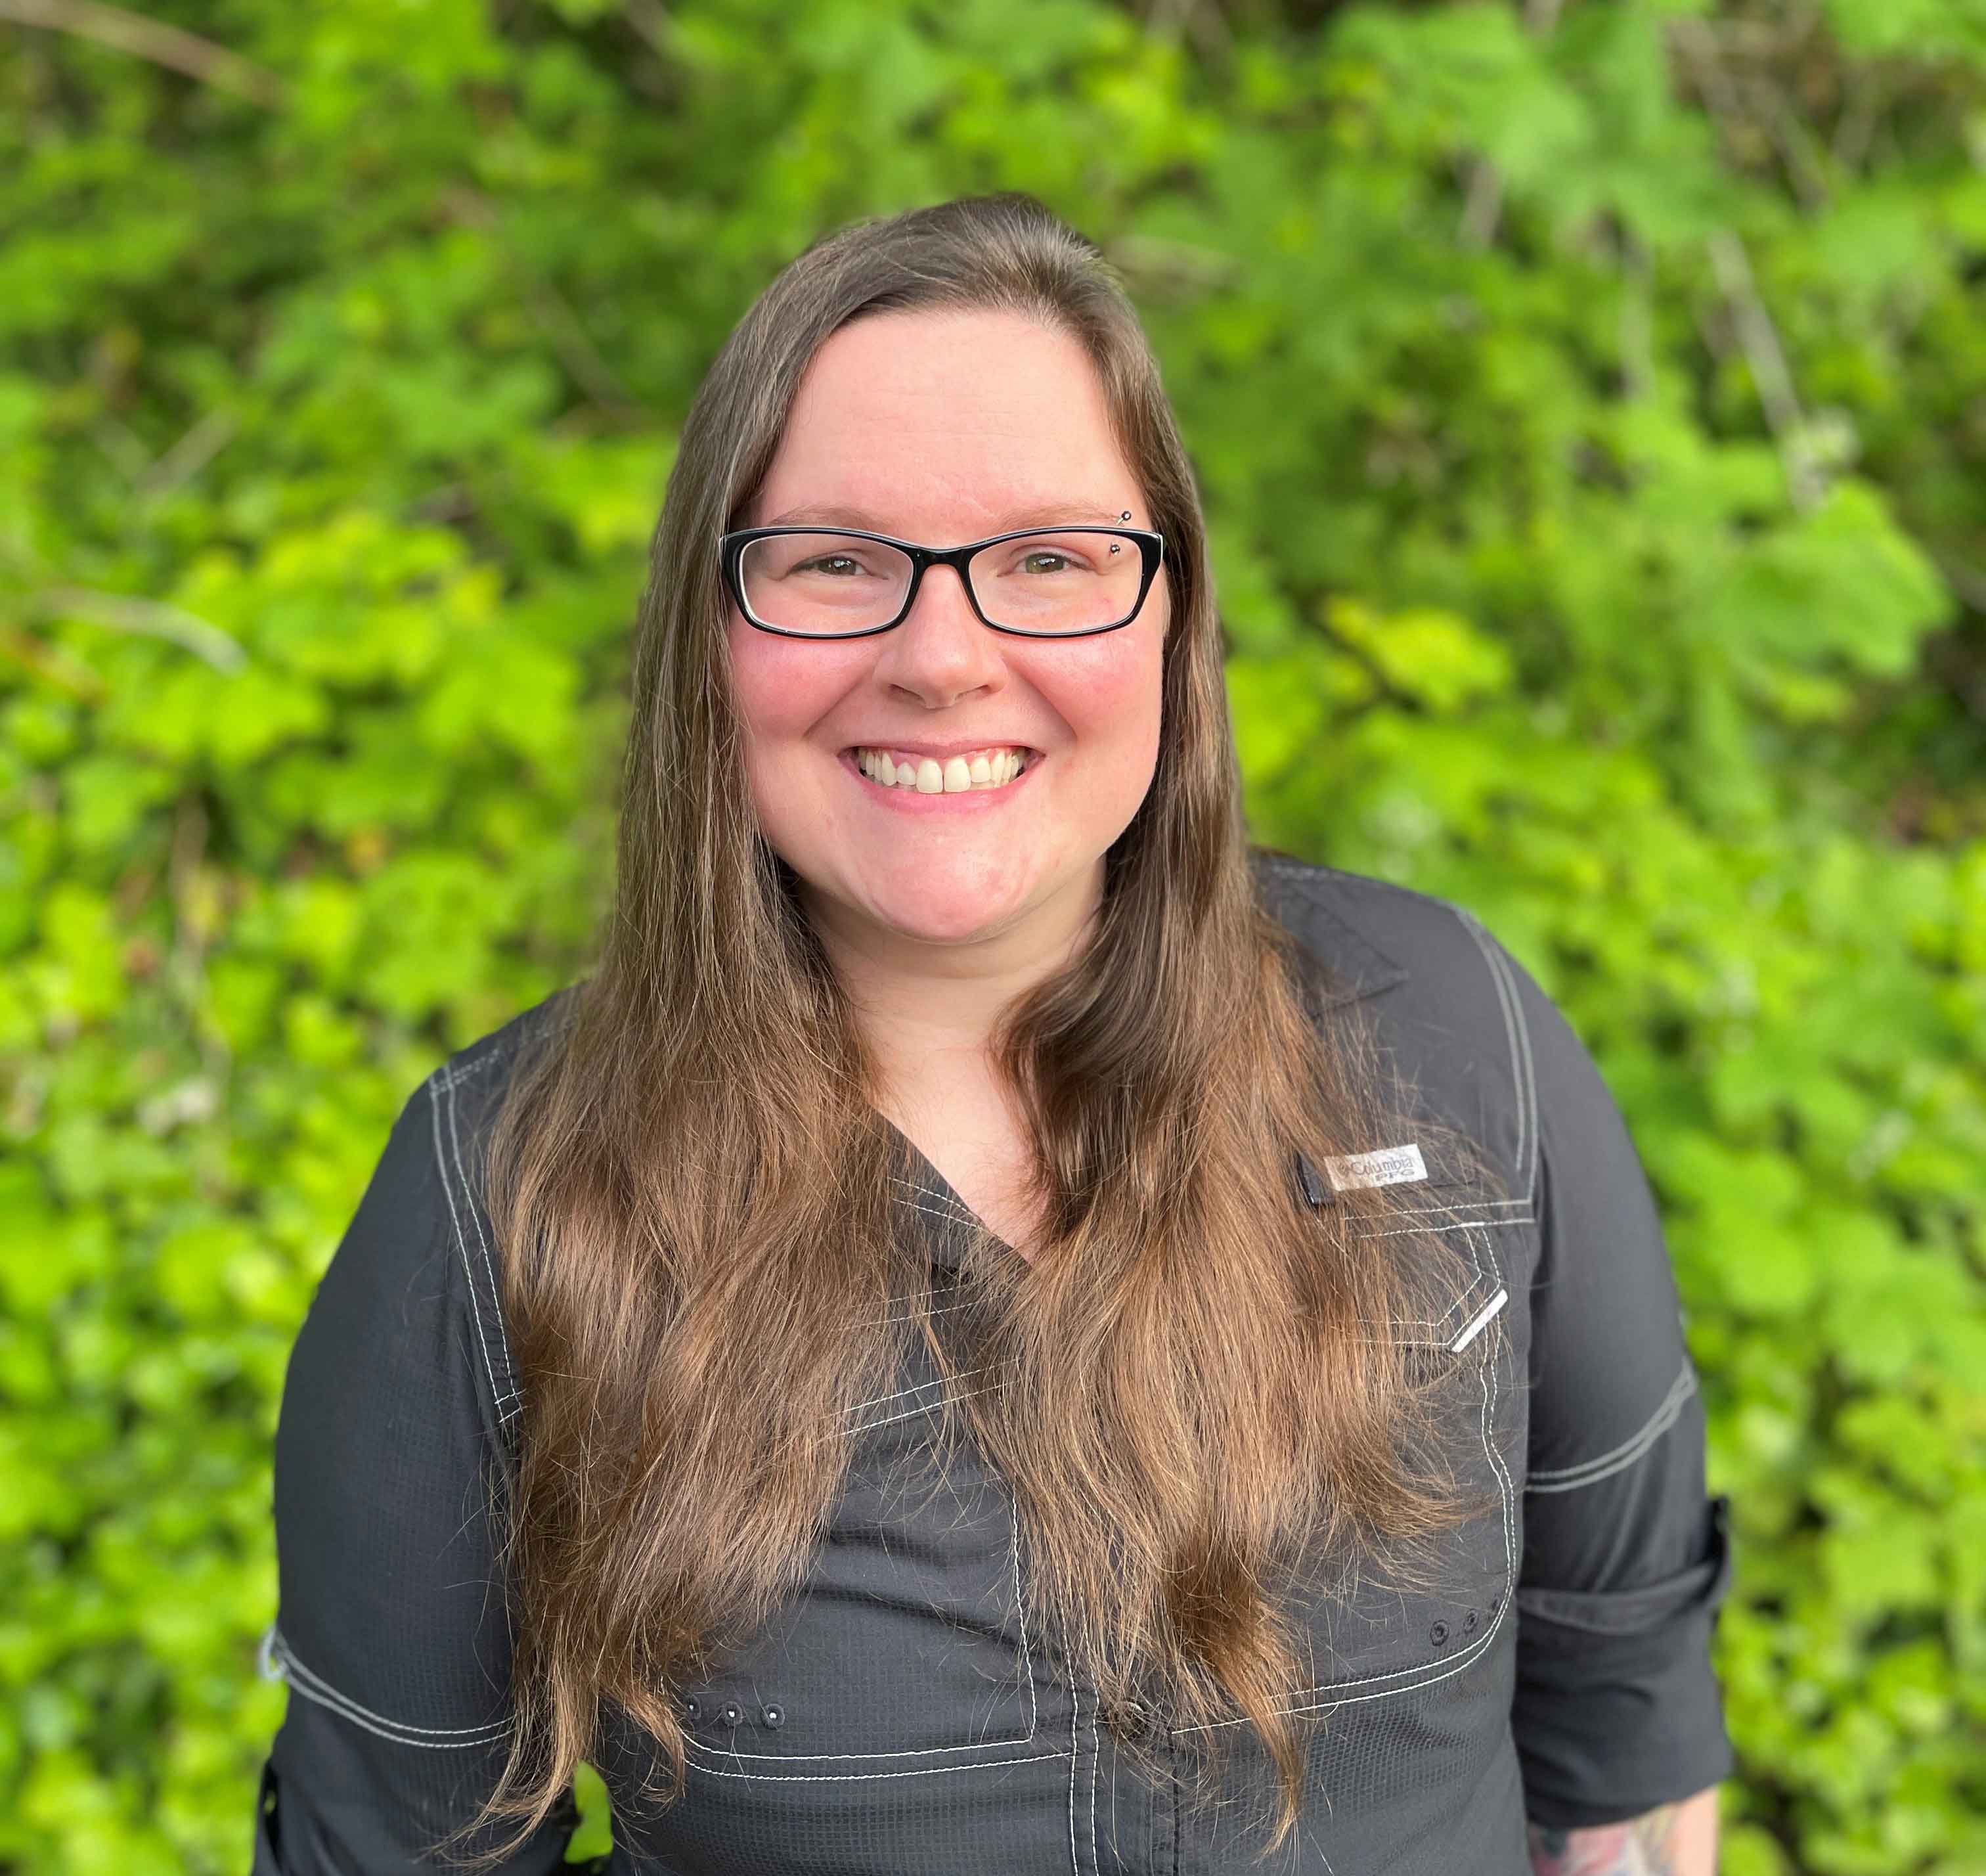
x=392 y=1627
x=1626 y=1561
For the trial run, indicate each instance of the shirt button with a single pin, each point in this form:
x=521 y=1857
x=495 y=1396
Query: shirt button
x=773 y=1716
x=1439 y=1633
x=694 y=1707
x=1135 y=1718
x=731 y=1713
x=1468 y=1621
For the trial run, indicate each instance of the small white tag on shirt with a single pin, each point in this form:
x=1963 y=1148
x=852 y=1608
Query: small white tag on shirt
x=1390 y=1166
x=1478 y=1322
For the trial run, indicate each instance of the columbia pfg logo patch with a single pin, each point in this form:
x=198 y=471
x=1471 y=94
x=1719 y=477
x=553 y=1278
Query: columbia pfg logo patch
x=1389 y=1166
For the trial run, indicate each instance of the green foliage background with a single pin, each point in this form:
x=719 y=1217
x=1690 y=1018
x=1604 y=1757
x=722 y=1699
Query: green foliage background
x=1590 y=402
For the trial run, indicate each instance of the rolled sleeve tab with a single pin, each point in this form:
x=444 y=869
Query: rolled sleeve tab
x=1619 y=1709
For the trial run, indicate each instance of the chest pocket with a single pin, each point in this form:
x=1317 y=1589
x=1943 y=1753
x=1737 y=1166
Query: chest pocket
x=1437 y=1190
x=1390 y=1632
x=907 y=1650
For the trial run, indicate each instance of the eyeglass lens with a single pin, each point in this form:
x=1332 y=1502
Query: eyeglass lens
x=828 y=584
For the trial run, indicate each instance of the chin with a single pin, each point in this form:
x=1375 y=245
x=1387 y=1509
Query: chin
x=962 y=928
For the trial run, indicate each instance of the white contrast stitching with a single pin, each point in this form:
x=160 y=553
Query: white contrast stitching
x=922 y=1752
x=922 y=1387
x=1425 y=1674
x=462 y=1242
x=314 y=1687
x=1096 y=1753
x=1075 y=1752
x=911 y=1316
x=1470 y=1204
x=1517 y=1031
x=1618 y=1459
x=1413 y=1231
x=1021 y=1618
x=504 y=1396
x=1535 y=1132
x=816 y=1778
x=954 y=1211
x=950 y=1216
x=911 y=1413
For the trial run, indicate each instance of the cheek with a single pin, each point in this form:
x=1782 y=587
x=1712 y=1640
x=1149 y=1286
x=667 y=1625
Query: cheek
x=783 y=689
x=1113 y=702
x=779 y=694
x=771 y=685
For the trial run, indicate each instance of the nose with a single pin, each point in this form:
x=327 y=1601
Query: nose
x=940 y=650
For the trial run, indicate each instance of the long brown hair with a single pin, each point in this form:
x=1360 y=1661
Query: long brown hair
x=688 y=1174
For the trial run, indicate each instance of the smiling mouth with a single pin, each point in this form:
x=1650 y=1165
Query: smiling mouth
x=981 y=771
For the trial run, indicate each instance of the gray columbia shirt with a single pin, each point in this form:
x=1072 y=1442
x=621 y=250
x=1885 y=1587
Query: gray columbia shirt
x=902 y=1714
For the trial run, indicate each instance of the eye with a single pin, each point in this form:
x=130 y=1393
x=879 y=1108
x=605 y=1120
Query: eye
x=1031 y=560
x=821 y=561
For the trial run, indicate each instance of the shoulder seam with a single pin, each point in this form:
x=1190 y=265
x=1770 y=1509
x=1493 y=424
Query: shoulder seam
x=485 y=1310
x=1517 y=1031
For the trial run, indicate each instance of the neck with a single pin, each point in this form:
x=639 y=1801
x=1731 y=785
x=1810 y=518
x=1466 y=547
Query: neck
x=928 y=1011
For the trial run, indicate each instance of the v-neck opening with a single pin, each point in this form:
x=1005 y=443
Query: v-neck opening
x=933 y=1185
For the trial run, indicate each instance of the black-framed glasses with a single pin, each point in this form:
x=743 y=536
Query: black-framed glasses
x=1034 y=582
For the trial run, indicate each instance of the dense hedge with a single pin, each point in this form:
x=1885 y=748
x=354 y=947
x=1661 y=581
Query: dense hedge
x=1590 y=403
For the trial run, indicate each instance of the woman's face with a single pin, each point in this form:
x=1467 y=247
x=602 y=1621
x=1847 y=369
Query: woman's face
x=941 y=428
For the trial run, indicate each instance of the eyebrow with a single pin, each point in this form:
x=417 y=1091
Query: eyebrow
x=834 y=514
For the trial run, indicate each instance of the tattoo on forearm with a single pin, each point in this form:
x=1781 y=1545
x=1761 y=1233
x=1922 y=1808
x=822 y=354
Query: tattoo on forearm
x=1645 y=1847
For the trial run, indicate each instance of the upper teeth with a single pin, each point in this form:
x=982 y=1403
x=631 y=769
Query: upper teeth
x=981 y=769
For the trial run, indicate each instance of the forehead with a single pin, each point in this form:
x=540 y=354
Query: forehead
x=948 y=420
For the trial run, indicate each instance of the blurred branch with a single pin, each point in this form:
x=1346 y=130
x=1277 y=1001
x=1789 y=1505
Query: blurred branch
x=1796 y=145
x=1966 y=580
x=1856 y=130
x=121 y=447
x=150 y=39
x=1760 y=340
x=1702 y=54
x=651 y=19
x=1483 y=205
x=1482 y=208
x=1730 y=62
x=1751 y=39
x=148 y=618
x=1207 y=26
x=192 y=454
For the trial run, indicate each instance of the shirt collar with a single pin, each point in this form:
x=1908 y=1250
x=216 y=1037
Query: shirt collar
x=931 y=1210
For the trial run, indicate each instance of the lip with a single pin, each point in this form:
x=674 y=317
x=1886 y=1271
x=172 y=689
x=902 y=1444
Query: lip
x=966 y=801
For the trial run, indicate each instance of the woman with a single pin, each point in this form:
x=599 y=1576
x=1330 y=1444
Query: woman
x=1002 y=1329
